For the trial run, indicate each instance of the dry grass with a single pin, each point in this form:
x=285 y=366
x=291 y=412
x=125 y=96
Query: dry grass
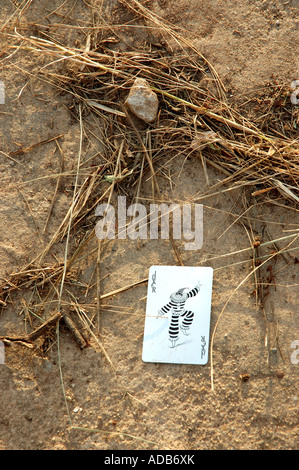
x=261 y=153
x=192 y=119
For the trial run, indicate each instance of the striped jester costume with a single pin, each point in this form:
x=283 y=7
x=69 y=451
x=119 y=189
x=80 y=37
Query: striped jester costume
x=176 y=307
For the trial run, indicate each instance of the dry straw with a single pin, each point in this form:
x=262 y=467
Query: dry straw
x=193 y=120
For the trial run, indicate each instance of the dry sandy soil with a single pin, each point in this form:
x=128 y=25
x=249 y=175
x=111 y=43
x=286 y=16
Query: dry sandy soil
x=49 y=392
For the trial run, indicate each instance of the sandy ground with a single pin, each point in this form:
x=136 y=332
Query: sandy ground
x=139 y=406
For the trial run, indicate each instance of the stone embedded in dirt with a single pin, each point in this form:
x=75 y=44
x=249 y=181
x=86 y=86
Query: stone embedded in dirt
x=143 y=101
x=294 y=99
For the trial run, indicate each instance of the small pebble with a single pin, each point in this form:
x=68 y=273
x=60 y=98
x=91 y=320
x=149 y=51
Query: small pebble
x=77 y=409
x=244 y=377
x=143 y=101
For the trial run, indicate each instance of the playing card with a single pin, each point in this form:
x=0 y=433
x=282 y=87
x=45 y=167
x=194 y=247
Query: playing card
x=178 y=312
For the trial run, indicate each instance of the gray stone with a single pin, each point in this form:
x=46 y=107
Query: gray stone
x=142 y=101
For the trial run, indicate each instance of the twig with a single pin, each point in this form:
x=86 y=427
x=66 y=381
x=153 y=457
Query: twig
x=44 y=327
x=74 y=330
x=35 y=334
x=123 y=289
x=23 y=150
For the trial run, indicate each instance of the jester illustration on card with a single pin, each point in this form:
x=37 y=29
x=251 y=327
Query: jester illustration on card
x=180 y=317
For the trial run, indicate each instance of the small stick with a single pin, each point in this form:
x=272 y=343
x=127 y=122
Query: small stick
x=27 y=339
x=74 y=330
x=19 y=340
x=10 y=158
x=23 y=150
x=122 y=289
x=41 y=329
